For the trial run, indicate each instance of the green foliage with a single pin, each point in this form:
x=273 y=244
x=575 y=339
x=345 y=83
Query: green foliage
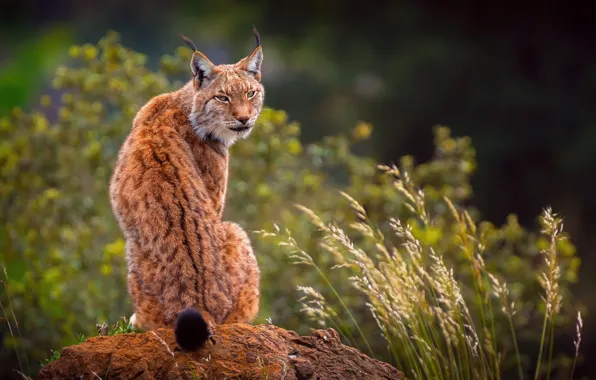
x=55 y=356
x=64 y=252
x=81 y=338
x=122 y=326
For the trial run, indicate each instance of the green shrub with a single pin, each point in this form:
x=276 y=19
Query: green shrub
x=64 y=252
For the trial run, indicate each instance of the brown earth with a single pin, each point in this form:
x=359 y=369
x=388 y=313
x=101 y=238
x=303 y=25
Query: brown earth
x=239 y=351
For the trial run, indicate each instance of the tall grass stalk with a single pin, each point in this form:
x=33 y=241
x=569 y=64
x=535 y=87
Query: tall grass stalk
x=508 y=309
x=16 y=323
x=578 y=339
x=300 y=257
x=552 y=228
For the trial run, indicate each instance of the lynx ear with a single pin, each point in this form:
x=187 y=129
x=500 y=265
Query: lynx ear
x=201 y=67
x=253 y=62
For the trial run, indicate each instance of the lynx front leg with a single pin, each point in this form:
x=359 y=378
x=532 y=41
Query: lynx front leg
x=243 y=271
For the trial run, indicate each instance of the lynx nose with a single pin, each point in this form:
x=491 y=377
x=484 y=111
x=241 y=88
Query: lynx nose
x=242 y=119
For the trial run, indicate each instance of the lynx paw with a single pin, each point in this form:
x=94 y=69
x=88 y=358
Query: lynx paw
x=133 y=321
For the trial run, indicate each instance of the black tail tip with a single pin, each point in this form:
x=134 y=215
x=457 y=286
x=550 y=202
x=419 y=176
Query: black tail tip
x=191 y=330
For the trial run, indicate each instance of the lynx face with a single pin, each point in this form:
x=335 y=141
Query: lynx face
x=227 y=98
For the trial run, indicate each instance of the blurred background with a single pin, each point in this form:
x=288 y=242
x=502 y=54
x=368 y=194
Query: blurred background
x=518 y=78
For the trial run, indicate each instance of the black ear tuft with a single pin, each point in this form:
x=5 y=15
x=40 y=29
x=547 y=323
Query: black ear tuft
x=257 y=36
x=189 y=42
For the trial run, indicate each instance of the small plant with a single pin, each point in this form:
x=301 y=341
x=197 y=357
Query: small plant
x=81 y=338
x=55 y=356
x=122 y=326
x=193 y=371
x=264 y=368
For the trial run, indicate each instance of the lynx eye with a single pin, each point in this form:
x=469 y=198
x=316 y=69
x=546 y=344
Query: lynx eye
x=221 y=98
x=251 y=94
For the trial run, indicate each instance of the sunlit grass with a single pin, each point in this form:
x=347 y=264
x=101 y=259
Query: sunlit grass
x=432 y=330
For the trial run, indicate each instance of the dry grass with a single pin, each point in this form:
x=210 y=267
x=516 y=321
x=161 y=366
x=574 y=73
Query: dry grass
x=416 y=299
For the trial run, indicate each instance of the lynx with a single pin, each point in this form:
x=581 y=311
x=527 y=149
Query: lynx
x=187 y=268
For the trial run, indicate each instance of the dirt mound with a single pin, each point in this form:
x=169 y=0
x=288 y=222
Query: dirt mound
x=239 y=351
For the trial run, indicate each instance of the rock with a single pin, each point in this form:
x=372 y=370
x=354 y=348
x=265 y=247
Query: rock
x=239 y=351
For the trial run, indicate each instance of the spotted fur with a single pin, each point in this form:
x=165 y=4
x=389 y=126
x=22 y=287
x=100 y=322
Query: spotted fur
x=168 y=193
